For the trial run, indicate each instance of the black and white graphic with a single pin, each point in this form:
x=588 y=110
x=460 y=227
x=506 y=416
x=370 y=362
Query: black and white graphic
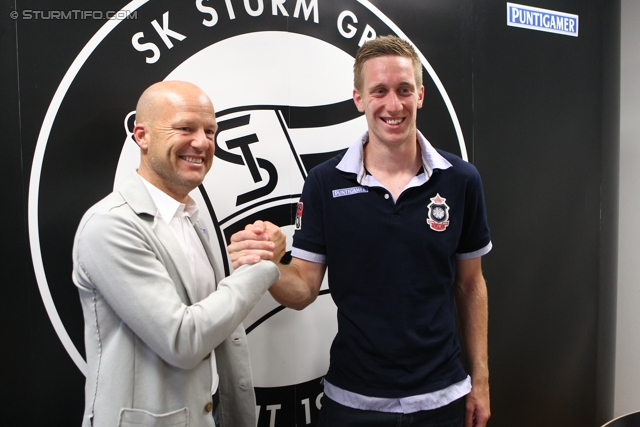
x=280 y=78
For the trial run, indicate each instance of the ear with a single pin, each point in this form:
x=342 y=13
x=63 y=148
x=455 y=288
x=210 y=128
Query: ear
x=420 y=97
x=357 y=98
x=141 y=136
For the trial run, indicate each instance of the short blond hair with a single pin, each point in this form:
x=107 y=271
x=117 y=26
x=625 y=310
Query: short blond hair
x=389 y=45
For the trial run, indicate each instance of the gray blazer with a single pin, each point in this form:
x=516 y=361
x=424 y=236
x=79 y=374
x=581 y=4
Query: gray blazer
x=147 y=338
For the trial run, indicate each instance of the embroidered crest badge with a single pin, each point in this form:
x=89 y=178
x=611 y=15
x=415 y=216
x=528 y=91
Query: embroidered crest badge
x=438 y=216
x=299 y=215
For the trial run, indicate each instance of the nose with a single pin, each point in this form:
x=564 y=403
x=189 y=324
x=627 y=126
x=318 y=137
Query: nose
x=201 y=140
x=393 y=103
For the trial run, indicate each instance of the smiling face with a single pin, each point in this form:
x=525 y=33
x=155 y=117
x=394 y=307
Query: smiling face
x=390 y=99
x=175 y=130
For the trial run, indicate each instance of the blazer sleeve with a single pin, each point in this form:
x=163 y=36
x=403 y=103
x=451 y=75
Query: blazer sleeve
x=118 y=259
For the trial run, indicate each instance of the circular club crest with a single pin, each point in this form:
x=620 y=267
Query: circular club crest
x=280 y=77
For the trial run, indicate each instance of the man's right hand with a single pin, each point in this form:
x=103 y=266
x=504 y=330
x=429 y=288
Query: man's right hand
x=260 y=240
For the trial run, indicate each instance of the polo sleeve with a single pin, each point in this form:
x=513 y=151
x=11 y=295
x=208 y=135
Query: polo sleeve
x=475 y=238
x=309 y=233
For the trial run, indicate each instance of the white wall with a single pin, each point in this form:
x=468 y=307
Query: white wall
x=627 y=386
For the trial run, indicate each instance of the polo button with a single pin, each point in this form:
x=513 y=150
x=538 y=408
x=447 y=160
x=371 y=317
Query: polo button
x=386 y=196
x=207 y=357
x=208 y=407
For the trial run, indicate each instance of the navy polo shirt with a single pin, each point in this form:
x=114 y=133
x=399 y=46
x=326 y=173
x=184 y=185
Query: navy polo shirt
x=391 y=266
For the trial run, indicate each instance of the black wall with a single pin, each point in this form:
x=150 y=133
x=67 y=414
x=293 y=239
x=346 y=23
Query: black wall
x=545 y=138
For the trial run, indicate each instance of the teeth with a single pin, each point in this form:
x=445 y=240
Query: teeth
x=193 y=160
x=394 y=122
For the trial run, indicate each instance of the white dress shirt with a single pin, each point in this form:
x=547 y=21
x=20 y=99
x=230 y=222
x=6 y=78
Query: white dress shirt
x=180 y=217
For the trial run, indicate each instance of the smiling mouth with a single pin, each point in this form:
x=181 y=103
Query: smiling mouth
x=393 y=121
x=196 y=160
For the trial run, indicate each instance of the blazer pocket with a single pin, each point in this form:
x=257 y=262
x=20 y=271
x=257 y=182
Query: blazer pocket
x=139 y=417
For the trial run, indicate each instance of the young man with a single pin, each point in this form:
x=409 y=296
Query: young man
x=163 y=329
x=402 y=227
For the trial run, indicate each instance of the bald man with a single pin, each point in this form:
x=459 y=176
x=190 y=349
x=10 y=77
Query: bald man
x=164 y=341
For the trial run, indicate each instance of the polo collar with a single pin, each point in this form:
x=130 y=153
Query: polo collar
x=353 y=160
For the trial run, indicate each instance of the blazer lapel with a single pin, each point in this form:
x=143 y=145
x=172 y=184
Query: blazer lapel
x=137 y=196
x=187 y=282
x=204 y=238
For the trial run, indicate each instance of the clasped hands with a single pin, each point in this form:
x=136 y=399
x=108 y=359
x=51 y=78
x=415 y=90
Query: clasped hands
x=260 y=240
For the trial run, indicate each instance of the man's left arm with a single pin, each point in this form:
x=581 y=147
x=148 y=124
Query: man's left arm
x=473 y=311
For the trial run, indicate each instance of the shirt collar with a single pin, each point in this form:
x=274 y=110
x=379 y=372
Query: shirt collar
x=353 y=160
x=168 y=207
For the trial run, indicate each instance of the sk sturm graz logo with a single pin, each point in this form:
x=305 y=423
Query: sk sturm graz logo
x=280 y=77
